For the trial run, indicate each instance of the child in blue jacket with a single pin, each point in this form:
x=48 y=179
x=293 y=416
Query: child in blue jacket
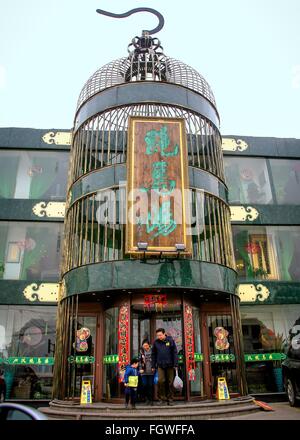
x=131 y=378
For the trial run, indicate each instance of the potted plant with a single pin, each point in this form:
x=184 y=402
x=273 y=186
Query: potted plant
x=278 y=347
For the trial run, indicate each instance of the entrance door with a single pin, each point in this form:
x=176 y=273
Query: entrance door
x=83 y=354
x=144 y=326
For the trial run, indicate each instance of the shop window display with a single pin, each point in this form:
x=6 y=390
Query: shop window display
x=27 y=350
x=247 y=180
x=30 y=174
x=30 y=250
x=268 y=329
x=267 y=252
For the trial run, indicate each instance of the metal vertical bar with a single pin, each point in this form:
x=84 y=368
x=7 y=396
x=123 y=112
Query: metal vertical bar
x=202 y=122
x=76 y=253
x=98 y=239
x=96 y=143
x=207 y=254
x=217 y=237
x=211 y=244
x=102 y=141
x=92 y=247
x=198 y=217
x=108 y=162
x=207 y=147
x=81 y=227
x=69 y=240
x=91 y=144
x=225 y=234
x=82 y=150
x=214 y=148
x=86 y=201
x=87 y=127
x=221 y=235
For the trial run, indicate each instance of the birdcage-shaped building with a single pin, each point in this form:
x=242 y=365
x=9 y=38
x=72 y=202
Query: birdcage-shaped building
x=146 y=134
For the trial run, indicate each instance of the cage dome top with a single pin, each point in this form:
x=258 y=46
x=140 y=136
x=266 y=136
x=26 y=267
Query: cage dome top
x=146 y=62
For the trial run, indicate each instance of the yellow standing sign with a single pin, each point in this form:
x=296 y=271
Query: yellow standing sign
x=86 y=392
x=222 y=390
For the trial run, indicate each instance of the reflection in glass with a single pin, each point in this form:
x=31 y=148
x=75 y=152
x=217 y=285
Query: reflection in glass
x=28 y=332
x=267 y=252
x=286 y=179
x=26 y=174
x=247 y=180
x=267 y=329
x=30 y=251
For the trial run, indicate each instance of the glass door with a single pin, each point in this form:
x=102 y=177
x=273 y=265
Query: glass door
x=222 y=352
x=172 y=323
x=83 y=350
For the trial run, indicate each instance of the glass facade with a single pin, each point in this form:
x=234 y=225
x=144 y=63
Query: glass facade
x=30 y=250
x=286 y=178
x=263 y=181
x=27 y=174
x=27 y=340
x=248 y=180
x=267 y=329
x=267 y=252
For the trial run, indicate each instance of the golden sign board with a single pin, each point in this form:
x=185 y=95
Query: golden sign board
x=157 y=180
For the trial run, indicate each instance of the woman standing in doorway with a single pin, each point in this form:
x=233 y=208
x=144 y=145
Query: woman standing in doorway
x=146 y=371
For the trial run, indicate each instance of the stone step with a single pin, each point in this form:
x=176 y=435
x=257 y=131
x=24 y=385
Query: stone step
x=177 y=412
x=136 y=415
x=100 y=406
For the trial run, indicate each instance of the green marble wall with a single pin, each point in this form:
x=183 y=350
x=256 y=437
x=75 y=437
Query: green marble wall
x=139 y=274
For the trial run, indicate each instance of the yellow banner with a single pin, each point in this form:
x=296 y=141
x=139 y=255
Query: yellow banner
x=86 y=392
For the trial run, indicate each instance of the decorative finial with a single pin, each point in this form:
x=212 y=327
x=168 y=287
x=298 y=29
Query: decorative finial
x=146 y=33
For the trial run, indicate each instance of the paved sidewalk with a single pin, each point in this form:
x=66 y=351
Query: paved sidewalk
x=283 y=411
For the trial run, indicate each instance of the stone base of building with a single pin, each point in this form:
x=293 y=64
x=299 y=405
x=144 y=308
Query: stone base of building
x=208 y=409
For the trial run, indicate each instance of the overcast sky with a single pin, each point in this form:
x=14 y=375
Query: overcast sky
x=248 y=51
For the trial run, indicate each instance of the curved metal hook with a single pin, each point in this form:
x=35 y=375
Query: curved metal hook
x=133 y=11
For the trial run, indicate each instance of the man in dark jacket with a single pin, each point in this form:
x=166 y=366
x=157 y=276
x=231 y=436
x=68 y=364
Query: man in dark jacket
x=165 y=359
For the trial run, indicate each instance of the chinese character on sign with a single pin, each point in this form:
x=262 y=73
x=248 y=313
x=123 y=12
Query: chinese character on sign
x=159 y=141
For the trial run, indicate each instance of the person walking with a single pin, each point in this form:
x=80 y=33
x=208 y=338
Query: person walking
x=146 y=371
x=165 y=359
x=131 y=378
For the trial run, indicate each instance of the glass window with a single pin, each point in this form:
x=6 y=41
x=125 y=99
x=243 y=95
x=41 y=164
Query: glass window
x=28 y=335
x=267 y=252
x=286 y=179
x=268 y=329
x=31 y=174
x=30 y=250
x=247 y=180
